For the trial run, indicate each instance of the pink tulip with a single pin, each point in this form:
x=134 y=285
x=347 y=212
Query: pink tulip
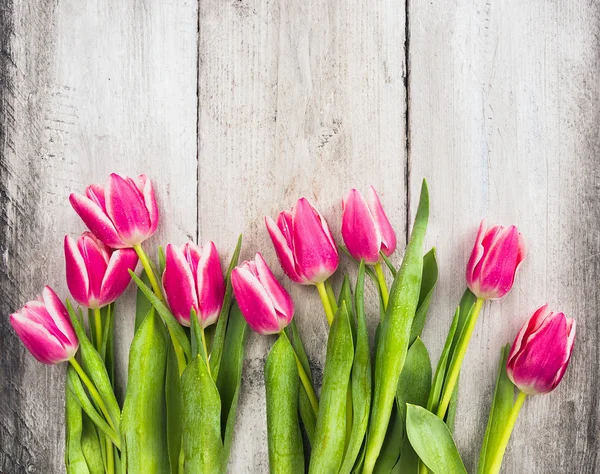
x=540 y=354
x=193 y=279
x=122 y=214
x=45 y=328
x=304 y=244
x=265 y=304
x=365 y=227
x=495 y=260
x=96 y=274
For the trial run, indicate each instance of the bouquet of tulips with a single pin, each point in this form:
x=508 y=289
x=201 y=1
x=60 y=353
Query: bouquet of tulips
x=380 y=408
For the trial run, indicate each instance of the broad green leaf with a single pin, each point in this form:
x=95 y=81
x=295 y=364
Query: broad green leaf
x=346 y=297
x=394 y=335
x=440 y=371
x=95 y=369
x=173 y=326
x=201 y=417
x=409 y=461
x=432 y=441
x=502 y=404
x=173 y=407
x=286 y=455
x=91 y=447
x=143 y=425
x=230 y=376
x=142 y=303
x=219 y=339
x=390 y=450
x=330 y=433
x=428 y=281
x=360 y=379
x=107 y=348
x=75 y=462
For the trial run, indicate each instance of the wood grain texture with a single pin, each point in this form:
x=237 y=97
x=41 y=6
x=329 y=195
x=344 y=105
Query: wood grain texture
x=295 y=99
x=87 y=88
x=504 y=109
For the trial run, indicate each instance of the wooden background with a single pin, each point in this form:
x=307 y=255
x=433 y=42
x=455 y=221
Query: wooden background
x=236 y=108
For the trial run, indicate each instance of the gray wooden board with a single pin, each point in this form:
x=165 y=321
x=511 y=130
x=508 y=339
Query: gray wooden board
x=236 y=109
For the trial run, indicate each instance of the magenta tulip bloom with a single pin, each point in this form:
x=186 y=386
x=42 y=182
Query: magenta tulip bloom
x=365 y=227
x=540 y=354
x=45 y=328
x=122 y=214
x=495 y=260
x=304 y=244
x=96 y=274
x=265 y=304
x=193 y=279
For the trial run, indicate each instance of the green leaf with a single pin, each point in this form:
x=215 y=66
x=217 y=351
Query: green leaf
x=96 y=370
x=201 y=416
x=174 y=327
x=390 y=450
x=282 y=384
x=432 y=441
x=428 y=282
x=502 y=404
x=173 y=407
x=440 y=371
x=142 y=303
x=346 y=297
x=389 y=264
x=409 y=461
x=75 y=462
x=219 y=339
x=452 y=406
x=74 y=384
x=162 y=261
x=230 y=376
x=360 y=379
x=91 y=446
x=330 y=432
x=107 y=347
x=143 y=425
x=395 y=330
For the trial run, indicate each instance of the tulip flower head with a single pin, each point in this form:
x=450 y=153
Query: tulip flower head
x=365 y=227
x=541 y=352
x=496 y=257
x=96 y=274
x=122 y=214
x=45 y=328
x=265 y=304
x=303 y=243
x=193 y=279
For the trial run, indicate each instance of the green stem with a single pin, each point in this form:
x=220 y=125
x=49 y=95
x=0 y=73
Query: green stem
x=423 y=468
x=149 y=271
x=331 y=295
x=93 y=391
x=498 y=455
x=98 y=326
x=310 y=391
x=383 y=289
x=110 y=457
x=205 y=349
x=325 y=300
x=456 y=363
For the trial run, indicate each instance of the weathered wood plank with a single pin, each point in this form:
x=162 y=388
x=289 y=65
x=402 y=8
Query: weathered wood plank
x=296 y=98
x=86 y=88
x=504 y=124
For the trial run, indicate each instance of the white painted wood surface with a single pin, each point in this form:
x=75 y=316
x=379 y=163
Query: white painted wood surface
x=236 y=109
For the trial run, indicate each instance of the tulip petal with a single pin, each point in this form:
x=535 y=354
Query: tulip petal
x=95 y=193
x=145 y=187
x=179 y=285
x=96 y=220
x=96 y=257
x=386 y=231
x=77 y=275
x=127 y=210
x=254 y=302
x=60 y=317
x=284 y=251
x=530 y=327
x=359 y=229
x=282 y=302
x=210 y=286
x=474 y=259
x=314 y=248
x=117 y=278
x=501 y=248
x=44 y=346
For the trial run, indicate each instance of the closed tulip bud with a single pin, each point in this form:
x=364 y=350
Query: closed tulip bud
x=540 y=354
x=122 y=214
x=193 y=279
x=45 y=328
x=96 y=274
x=495 y=260
x=303 y=243
x=365 y=227
x=265 y=304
